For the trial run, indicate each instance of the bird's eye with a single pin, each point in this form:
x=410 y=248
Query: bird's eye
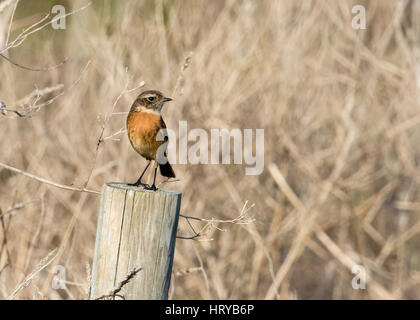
x=151 y=99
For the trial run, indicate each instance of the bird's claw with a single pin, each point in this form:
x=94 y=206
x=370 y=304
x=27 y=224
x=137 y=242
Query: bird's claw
x=148 y=187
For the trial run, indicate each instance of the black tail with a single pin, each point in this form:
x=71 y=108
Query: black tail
x=166 y=170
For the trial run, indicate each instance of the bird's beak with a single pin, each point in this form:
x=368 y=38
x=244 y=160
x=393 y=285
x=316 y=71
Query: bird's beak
x=167 y=99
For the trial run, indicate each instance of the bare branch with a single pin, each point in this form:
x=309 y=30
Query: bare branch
x=43 y=180
x=33 y=69
x=114 y=293
x=111 y=137
x=29 y=31
x=243 y=218
x=11 y=21
x=29 y=108
x=18 y=206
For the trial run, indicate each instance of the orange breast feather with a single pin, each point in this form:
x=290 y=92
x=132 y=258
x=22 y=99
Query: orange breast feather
x=142 y=128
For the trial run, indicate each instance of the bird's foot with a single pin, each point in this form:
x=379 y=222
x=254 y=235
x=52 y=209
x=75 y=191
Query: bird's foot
x=152 y=187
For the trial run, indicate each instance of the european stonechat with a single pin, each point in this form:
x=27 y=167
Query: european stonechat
x=146 y=132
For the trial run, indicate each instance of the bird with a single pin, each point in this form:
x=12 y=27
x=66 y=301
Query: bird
x=146 y=131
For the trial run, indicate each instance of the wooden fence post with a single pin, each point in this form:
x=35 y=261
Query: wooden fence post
x=136 y=229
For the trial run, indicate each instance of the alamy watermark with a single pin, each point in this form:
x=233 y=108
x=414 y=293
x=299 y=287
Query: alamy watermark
x=59 y=21
x=59 y=279
x=359 y=20
x=359 y=280
x=214 y=146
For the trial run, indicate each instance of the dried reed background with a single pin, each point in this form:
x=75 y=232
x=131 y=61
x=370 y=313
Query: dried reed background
x=340 y=108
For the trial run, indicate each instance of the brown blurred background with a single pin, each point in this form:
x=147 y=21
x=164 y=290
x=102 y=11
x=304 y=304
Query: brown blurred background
x=340 y=108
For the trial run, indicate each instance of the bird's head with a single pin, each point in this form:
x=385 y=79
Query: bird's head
x=149 y=101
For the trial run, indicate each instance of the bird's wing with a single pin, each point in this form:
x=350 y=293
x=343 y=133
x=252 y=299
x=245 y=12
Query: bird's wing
x=163 y=135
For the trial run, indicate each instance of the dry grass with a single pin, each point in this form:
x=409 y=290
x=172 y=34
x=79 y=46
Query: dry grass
x=340 y=109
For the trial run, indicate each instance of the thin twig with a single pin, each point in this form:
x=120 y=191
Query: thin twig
x=243 y=218
x=182 y=73
x=115 y=293
x=111 y=137
x=33 y=69
x=4 y=243
x=37 y=94
x=11 y=21
x=18 y=206
x=43 y=180
x=88 y=286
x=41 y=266
x=29 y=31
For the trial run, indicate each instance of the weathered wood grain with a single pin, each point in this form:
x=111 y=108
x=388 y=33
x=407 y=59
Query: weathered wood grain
x=136 y=229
